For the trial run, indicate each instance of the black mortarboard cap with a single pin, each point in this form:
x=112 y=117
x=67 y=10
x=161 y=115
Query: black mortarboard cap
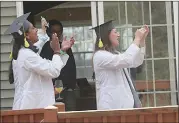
x=17 y=24
x=104 y=28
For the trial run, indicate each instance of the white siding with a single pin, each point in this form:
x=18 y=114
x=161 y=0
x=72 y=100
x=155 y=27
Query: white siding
x=8 y=14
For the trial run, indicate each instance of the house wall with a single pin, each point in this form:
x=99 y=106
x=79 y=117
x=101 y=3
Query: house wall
x=8 y=14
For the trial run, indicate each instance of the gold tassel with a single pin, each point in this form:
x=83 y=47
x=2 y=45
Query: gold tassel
x=10 y=56
x=26 y=44
x=100 y=44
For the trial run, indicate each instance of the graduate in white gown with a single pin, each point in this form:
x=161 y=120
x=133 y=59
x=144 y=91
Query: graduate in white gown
x=114 y=88
x=31 y=74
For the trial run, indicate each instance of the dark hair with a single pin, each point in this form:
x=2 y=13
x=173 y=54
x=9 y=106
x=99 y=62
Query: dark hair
x=52 y=23
x=17 y=43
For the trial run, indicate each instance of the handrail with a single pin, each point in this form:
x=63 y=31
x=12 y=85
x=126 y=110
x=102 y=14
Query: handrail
x=96 y=113
x=30 y=115
x=57 y=114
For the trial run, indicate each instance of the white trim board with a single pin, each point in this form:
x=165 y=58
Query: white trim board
x=19 y=8
x=175 y=11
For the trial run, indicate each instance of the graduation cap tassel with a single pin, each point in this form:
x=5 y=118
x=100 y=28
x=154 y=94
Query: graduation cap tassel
x=100 y=44
x=10 y=56
x=26 y=44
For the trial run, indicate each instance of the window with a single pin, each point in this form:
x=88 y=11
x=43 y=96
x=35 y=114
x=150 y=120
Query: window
x=82 y=49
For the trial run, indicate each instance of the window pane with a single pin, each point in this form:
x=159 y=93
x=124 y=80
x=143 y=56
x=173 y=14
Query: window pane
x=79 y=33
x=88 y=72
x=80 y=72
x=134 y=13
x=160 y=41
x=79 y=46
x=89 y=46
x=122 y=17
x=67 y=31
x=147 y=100
x=163 y=99
x=88 y=59
x=145 y=68
x=146 y=13
x=115 y=11
x=79 y=59
x=110 y=11
x=161 y=68
x=144 y=77
x=158 y=11
x=88 y=33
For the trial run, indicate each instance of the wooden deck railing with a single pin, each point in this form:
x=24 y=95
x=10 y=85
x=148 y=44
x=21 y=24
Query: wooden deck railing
x=167 y=114
x=27 y=116
x=52 y=114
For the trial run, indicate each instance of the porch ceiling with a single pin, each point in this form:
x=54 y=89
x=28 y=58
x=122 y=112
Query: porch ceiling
x=36 y=7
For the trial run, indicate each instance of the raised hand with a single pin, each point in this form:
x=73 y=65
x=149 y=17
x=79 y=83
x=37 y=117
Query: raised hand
x=140 y=35
x=72 y=40
x=44 y=24
x=55 y=43
x=66 y=44
x=145 y=30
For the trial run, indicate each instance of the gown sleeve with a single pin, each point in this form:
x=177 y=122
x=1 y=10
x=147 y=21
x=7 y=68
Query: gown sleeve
x=106 y=60
x=44 y=67
x=140 y=57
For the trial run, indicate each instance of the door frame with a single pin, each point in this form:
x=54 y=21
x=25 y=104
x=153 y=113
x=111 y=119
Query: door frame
x=19 y=8
x=175 y=13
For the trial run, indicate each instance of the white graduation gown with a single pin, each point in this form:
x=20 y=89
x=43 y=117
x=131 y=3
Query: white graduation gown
x=33 y=79
x=112 y=88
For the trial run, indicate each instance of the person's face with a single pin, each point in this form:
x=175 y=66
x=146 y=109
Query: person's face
x=58 y=30
x=31 y=35
x=113 y=37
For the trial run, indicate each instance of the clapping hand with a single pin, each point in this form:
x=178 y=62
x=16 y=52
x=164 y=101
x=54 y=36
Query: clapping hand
x=66 y=44
x=72 y=40
x=55 y=43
